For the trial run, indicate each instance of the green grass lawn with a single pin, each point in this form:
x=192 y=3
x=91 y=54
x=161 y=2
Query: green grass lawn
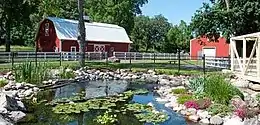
x=161 y=66
x=15 y=48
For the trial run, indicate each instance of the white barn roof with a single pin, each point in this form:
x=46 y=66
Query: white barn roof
x=100 y=32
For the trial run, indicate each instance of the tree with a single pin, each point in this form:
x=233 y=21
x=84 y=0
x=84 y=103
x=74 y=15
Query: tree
x=149 y=33
x=82 y=34
x=178 y=37
x=241 y=18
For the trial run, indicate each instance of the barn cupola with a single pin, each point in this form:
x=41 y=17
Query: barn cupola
x=86 y=19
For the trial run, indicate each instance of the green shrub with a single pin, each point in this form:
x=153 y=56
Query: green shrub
x=219 y=90
x=66 y=73
x=197 y=86
x=179 y=91
x=220 y=109
x=30 y=73
x=184 y=98
x=3 y=82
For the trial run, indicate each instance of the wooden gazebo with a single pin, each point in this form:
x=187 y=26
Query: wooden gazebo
x=245 y=56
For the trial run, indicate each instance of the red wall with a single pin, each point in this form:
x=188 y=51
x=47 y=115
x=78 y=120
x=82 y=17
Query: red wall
x=46 y=43
x=118 y=47
x=222 y=48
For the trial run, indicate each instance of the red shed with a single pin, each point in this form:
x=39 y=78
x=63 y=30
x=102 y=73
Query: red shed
x=201 y=46
x=60 y=35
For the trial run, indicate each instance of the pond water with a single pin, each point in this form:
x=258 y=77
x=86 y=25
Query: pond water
x=43 y=115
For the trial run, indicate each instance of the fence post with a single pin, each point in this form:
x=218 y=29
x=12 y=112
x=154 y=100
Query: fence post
x=154 y=61
x=12 y=53
x=204 y=64
x=106 y=56
x=60 y=58
x=179 y=60
x=130 y=61
x=44 y=56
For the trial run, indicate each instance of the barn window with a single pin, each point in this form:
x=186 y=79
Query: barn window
x=46 y=29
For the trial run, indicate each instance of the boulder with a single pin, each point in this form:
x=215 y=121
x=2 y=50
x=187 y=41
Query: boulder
x=251 y=121
x=192 y=111
x=216 y=120
x=234 y=121
x=16 y=116
x=241 y=83
x=8 y=102
x=28 y=92
x=3 y=121
x=204 y=121
x=164 y=81
x=255 y=87
x=175 y=83
x=193 y=118
x=203 y=114
x=3 y=110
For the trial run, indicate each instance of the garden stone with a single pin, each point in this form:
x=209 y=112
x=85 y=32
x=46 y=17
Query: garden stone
x=16 y=116
x=203 y=114
x=251 y=121
x=3 y=110
x=192 y=111
x=255 y=87
x=216 y=120
x=19 y=86
x=234 y=121
x=3 y=121
x=11 y=94
x=241 y=83
x=31 y=85
x=175 y=83
x=134 y=77
x=35 y=89
x=28 y=92
x=7 y=102
x=164 y=81
x=204 y=121
x=21 y=106
x=193 y=117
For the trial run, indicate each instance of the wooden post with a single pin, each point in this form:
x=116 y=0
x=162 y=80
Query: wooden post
x=258 y=58
x=244 y=55
x=232 y=55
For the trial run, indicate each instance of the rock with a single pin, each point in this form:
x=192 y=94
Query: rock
x=150 y=71
x=19 y=85
x=177 y=109
x=28 y=92
x=3 y=110
x=4 y=122
x=35 y=89
x=234 y=121
x=203 y=114
x=226 y=71
x=164 y=81
x=238 y=102
x=31 y=85
x=251 y=121
x=8 y=102
x=204 y=121
x=216 y=120
x=11 y=94
x=192 y=111
x=175 y=83
x=255 y=87
x=241 y=83
x=134 y=77
x=21 y=106
x=193 y=117
x=16 y=116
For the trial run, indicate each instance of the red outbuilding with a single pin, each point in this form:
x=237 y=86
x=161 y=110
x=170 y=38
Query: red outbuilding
x=200 y=46
x=60 y=35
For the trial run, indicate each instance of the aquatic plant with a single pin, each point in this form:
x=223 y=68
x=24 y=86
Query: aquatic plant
x=152 y=117
x=179 y=91
x=30 y=73
x=184 y=98
x=3 y=82
x=106 y=118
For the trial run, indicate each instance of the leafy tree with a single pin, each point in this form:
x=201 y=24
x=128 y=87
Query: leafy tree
x=178 y=37
x=240 y=17
x=149 y=33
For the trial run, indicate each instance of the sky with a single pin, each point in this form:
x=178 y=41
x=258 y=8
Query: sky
x=173 y=10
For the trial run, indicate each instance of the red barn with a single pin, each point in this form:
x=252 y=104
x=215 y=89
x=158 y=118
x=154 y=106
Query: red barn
x=201 y=46
x=60 y=35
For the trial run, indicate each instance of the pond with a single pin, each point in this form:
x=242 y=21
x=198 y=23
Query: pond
x=42 y=114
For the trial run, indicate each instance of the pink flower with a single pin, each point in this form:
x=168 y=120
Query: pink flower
x=191 y=104
x=240 y=113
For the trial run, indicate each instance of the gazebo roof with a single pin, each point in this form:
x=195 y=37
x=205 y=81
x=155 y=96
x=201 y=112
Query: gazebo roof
x=246 y=36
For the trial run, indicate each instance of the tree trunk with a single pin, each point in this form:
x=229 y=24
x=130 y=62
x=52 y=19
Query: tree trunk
x=81 y=34
x=8 y=36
